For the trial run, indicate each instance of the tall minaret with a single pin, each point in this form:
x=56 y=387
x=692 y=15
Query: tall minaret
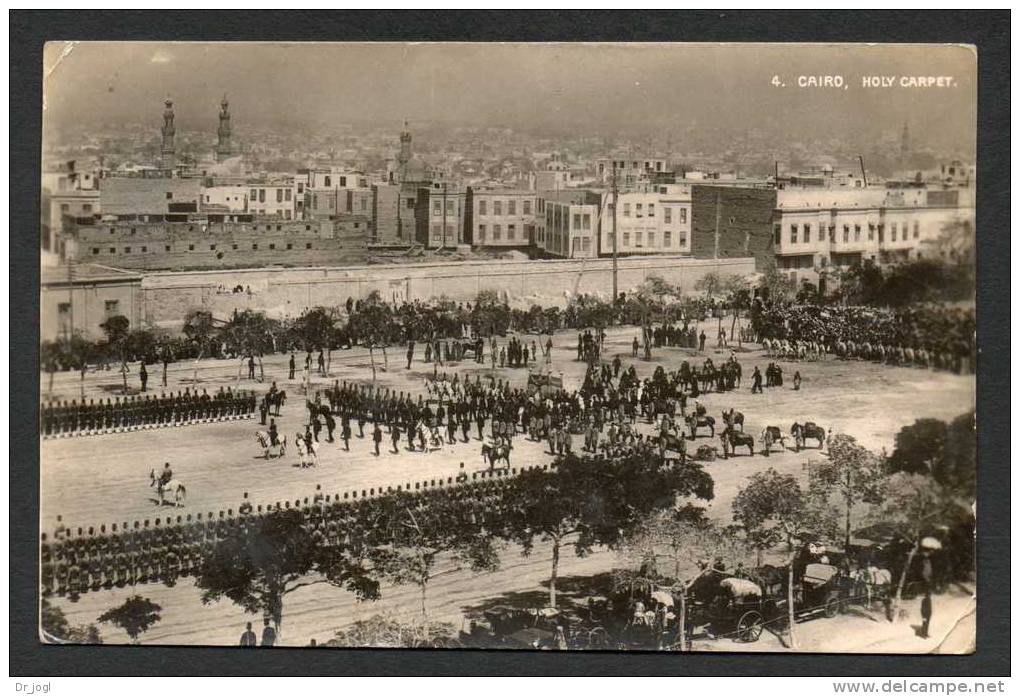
x=167 y=150
x=404 y=155
x=223 y=148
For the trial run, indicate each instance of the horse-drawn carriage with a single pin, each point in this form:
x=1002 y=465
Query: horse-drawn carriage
x=724 y=605
x=516 y=628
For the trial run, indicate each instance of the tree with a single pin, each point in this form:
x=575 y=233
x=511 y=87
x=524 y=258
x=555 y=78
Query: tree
x=383 y=632
x=316 y=329
x=773 y=284
x=594 y=501
x=711 y=284
x=853 y=473
x=945 y=451
x=200 y=328
x=56 y=628
x=913 y=505
x=372 y=325
x=262 y=561
x=249 y=333
x=135 y=616
x=419 y=530
x=116 y=330
x=773 y=503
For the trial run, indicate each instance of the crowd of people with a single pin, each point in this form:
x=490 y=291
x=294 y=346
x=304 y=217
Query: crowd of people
x=74 y=562
x=150 y=411
x=936 y=336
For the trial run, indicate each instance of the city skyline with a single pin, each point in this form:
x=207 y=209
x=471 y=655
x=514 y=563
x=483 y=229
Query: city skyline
x=626 y=90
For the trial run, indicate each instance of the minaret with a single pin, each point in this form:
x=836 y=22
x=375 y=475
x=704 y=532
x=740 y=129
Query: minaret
x=223 y=148
x=404 y=155
x=167 y=150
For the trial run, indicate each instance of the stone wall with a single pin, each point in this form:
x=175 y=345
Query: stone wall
x=745 y=222
x=287 y=292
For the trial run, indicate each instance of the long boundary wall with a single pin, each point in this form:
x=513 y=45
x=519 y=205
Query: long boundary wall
x=287 y=292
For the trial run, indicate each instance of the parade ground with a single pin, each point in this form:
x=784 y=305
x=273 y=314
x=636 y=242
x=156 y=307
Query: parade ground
x=221 y=461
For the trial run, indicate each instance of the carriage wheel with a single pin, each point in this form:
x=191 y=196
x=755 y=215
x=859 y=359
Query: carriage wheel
x=831 y=608
x=749 y=627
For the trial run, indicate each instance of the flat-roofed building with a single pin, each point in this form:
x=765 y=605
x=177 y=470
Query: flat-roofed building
x=504 y=218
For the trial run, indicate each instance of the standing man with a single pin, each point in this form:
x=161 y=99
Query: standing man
x=143 y=374
x=701 y=342
x=376 y=437
x=251 y=367
x=395 y=437
x=634 y=348
x=291 y=365
x=756 y=381
x=248 y=637
x=548 y=351
x=268 y=634
x=345 y=433
x=330 y=425
x=322 y=363
x=410 y=353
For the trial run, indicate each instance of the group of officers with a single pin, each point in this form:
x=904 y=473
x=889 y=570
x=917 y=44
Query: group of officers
x=169 y=408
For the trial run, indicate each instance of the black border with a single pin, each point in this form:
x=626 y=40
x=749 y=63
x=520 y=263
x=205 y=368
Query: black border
x=988 y=30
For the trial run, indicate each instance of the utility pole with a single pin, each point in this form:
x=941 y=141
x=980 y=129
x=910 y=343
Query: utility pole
x=444 y=216
x=718 y=212
x=616 y=195
x=864 y=174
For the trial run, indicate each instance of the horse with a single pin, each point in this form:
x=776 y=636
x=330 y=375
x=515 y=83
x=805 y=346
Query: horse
x=264 y=441
x=276 y=400
x=733 y=418
x=669 y=442
x=173 y=485
x=770 y=435
x=492 y=453
x=807 y=430
x=694 y=422
x=306 y=451
x=740 y=439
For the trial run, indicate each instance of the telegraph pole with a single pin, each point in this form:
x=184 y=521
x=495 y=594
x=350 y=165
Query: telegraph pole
x=616 y=195
x=444 y=216
x=718 y=212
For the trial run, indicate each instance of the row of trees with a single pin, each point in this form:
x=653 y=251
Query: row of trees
x=580 y=504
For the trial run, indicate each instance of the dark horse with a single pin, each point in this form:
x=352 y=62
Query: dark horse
x=694 y=422
x=808 y=430
x=739 y=439
x=495 y=452
x=733 y=418
x=275 y=401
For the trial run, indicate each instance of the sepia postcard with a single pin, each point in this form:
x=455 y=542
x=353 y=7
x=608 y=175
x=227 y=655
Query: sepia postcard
x=539 y=346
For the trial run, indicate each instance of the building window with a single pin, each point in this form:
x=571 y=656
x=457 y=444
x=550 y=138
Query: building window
x=65 y=208
x=482 y=207
x=343 y=182
x=287 y=194
x=64 y=316
x=169 y=195
x=683 y=216
x=262 y=195
x=511 y=207
x=793 y=234
x=651 y=239
x=497 y=232
x=272 y=246
x=871 y=232
x=166 y=248
x=527 y=207
x=577 y=221
x=254 y=195
x=144 y=249
x=626 y=209
x=894 y=231
x=308 y=245
x=254 y=247
x=481 y=233
x=279 y=195
x=917 y=229
x=127 y=250
x=497 y=207
x=191 y=247
x=113 y=250
x=329 y=181
x=639 y=210
x=846 y=233
x=778 y=234
x=626 y=239
x=586 y=244
x=667 y=215
x=95 y=250
x=437 y=207
x=112 y=308
x=233 y=246
x=667 y=238
x=807 y=234
x=212 y=247
x=651 y=210
x=511 y=232
x=289 y=246
x=857 y=233
x=683 y=240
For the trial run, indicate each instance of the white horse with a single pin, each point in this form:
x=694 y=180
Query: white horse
x=172 y=486
x=306 y=453
x=264 y=441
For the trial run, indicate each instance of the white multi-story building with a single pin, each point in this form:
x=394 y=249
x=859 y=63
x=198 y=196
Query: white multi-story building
x=818 y=228
x=571 y=227
x=654 y=221
x=630 y=170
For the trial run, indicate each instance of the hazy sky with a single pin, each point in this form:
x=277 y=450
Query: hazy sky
x=590 y=88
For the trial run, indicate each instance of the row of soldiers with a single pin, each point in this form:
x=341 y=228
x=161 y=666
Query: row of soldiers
x=93 y=559
x=168 y=408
